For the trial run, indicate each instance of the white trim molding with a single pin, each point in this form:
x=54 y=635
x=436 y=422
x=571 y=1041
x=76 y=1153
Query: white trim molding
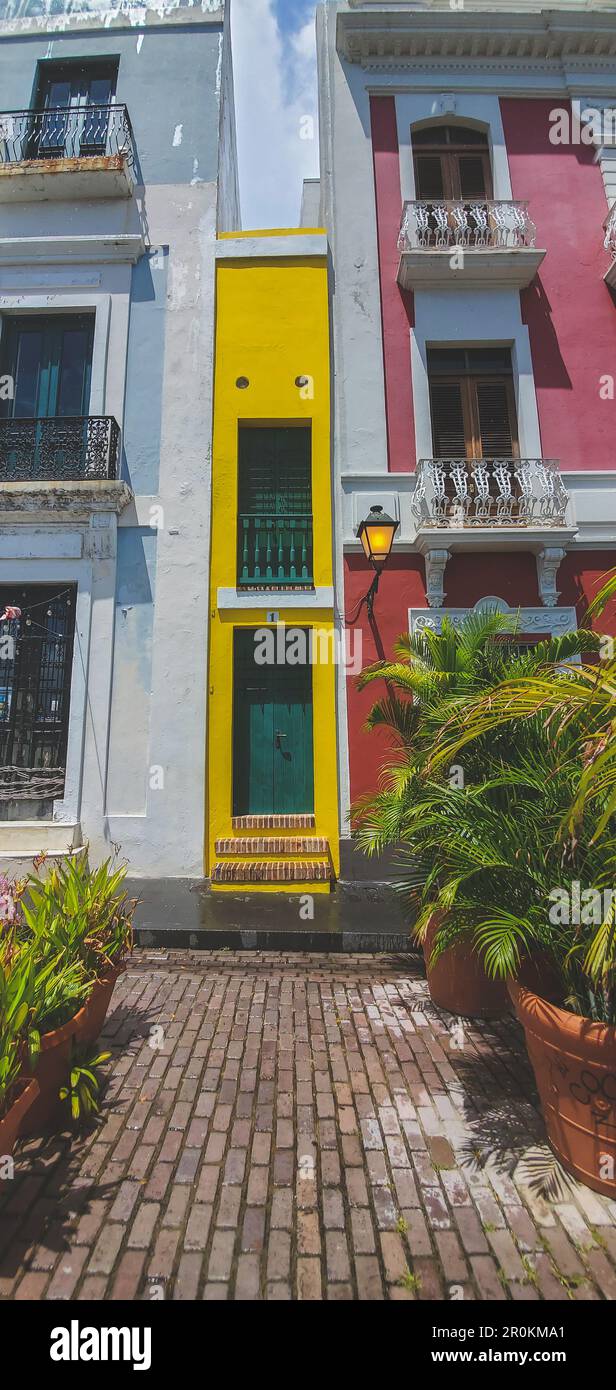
x=72 y=250
x=554 y=621
x=269 y=599
x=309 y=243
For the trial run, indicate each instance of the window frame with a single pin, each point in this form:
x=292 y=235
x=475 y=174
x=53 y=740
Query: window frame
x=450 y=153
x=468 y=379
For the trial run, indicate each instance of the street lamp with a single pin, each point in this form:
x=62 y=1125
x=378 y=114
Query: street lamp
x=376 y=534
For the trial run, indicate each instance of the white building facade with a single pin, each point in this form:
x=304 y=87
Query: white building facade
x=117 y=170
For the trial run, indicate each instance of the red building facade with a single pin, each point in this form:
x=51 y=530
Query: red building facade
x=467 y=188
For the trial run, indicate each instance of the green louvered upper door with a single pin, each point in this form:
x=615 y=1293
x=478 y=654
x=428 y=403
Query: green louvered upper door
x=274 y=507
x=272 y=735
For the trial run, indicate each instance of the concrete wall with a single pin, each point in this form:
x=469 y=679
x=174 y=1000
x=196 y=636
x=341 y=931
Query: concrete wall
x=142 y=782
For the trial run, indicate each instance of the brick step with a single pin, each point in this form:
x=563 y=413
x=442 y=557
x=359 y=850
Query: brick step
x=272 y=871
x=304 y=822
x=273 y=844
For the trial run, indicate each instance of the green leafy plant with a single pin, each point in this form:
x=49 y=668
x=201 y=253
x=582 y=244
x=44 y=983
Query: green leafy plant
x=16 y=1000
x=80 y=913
x=82 y=1091
x=533 y=814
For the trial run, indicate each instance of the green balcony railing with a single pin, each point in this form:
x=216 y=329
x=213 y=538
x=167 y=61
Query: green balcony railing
x=274 y=550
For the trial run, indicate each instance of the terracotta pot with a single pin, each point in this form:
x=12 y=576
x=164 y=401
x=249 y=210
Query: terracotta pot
x=97 y=1004
x=52 y=1068
x=459 y=984
x=12 y=1124
x=574 y=1061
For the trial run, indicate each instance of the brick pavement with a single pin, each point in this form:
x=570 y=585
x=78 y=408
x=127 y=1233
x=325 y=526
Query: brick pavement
x=306 y=1127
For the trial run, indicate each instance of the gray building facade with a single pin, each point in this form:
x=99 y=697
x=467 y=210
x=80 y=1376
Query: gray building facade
x=117 y=172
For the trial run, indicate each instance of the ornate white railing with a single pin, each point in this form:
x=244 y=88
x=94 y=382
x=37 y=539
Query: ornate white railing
x=609 y=227
x=489 y=492
x=478 y=226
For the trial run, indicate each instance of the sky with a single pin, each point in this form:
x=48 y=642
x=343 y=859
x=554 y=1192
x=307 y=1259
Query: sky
x=274 y=61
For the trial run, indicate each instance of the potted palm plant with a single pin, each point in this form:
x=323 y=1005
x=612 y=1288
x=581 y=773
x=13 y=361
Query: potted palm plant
x=541 y=909
x=74 y=926
x=423 y=814
x=60 y=989
x=84 y=914
x=18 y=1090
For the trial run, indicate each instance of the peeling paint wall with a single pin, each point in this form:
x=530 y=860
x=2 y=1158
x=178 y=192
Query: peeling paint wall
x=143 y=769
x=170 y=78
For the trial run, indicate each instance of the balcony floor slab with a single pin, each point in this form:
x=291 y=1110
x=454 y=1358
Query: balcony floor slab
x=483 y=538
x=44 y=180
x=429 y=269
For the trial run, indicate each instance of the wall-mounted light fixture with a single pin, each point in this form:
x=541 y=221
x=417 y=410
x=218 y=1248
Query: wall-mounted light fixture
x=376 y=534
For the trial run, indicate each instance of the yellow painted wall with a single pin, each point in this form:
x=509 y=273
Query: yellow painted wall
x=272 y=325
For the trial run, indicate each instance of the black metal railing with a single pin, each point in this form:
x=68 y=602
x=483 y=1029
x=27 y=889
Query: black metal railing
x=274 y=550
x=36 y=658
x=62 y=132
x=62 y=448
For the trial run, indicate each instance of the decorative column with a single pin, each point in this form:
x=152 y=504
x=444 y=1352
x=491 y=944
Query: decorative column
x=436 y=561
x=548 y=565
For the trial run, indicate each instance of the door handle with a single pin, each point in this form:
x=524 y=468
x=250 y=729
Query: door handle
x=278 y=736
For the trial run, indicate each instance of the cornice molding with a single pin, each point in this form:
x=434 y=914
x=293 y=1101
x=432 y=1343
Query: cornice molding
x=115 y=15
x=399 y=38
x=72 y=250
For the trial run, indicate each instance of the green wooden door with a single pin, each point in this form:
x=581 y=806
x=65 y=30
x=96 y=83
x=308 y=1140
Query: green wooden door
x=50 y=362
x=273 y=771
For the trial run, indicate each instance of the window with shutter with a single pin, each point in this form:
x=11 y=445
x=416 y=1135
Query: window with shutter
x=472 y=403
x=449 y=430
x=494 y=418
x=457 y=166
x=274 y=506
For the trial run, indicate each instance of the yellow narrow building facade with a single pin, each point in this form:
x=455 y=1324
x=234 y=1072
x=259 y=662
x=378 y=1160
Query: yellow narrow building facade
x=272 y=808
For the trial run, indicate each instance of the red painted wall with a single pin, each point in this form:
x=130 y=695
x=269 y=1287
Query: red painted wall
x=402 y=587
x=468 y=578
x=570 y=313
x=396 y=304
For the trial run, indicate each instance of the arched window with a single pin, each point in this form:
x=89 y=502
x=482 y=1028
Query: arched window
x=452 y=162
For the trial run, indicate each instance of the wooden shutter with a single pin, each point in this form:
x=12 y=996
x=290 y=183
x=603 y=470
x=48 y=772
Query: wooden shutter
x=274 y=471
x=473 y=175
x=429 y=185
x=450 y=428
x=495 y=424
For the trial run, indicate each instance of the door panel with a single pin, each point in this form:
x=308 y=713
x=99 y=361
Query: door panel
x=25 y=363
x=50 y=361
x=293 y=758
x=74 y=135
x=272 y=735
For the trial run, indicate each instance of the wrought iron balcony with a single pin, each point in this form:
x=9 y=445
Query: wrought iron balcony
x=609 y=227
x=454 y=493
x=482 y=225
x=274 y=551
x=493 y=240
x=91 y=147
x=609 y=242
x=62 y=448
x=60 y=132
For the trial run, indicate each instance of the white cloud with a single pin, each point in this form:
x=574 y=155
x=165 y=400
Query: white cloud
x=275 y=91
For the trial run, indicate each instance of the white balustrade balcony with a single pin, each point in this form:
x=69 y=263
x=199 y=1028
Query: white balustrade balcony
x=609 y=227
x=467 y=245
x=469 y=494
